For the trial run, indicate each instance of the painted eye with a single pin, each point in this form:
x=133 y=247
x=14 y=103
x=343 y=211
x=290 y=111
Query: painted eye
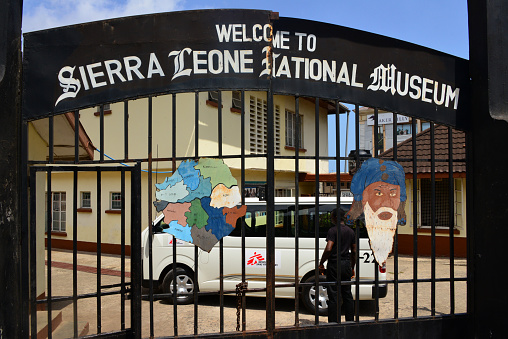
x=392 y=194
x=379 y=194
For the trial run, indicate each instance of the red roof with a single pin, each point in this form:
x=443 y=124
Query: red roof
x=423 y=151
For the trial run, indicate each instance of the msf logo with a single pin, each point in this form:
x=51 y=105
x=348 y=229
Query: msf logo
x=255 y=259
x=70 y=85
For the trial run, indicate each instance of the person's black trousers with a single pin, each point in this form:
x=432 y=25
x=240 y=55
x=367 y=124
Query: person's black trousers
x=347 y=296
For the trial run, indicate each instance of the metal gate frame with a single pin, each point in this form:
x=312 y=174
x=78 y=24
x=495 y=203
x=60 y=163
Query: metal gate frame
x=446 y=323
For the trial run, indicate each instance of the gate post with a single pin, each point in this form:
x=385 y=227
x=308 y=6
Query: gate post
x=11 y=314
x=487 y=167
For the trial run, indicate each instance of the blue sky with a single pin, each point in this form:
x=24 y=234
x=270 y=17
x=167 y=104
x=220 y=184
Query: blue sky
x=437 y=24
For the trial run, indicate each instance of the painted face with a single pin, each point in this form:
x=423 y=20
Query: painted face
x=380 y=203
x=381 y=194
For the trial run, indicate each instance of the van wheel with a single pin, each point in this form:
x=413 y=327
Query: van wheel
x=309 y=296
x=184 y=284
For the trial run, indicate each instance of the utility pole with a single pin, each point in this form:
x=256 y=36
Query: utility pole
x=11 y=312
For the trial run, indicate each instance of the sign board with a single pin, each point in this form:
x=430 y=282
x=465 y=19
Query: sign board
x=83 y=65
x=386 y=118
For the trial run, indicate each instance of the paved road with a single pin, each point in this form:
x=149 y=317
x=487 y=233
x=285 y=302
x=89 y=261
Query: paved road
x=209 y=312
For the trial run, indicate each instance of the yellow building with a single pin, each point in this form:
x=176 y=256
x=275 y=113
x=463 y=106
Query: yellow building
x=127 y=138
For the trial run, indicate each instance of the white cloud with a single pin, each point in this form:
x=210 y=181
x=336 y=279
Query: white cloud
x=43 y=14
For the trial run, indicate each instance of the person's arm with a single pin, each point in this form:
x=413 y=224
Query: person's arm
x=353 y=257
x=325 y=256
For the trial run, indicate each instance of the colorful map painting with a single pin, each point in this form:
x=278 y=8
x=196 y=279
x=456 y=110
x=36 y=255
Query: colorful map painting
x=200 y=202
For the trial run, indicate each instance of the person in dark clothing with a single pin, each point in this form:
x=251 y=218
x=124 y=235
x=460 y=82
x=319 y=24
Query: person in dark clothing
x=347 y=260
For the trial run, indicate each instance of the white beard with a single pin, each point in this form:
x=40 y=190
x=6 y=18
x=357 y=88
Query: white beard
x=380 y=232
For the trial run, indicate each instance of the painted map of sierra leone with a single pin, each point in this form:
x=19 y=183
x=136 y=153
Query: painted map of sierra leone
x=199 y=202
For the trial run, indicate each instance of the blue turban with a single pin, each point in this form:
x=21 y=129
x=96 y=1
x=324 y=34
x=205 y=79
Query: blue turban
x=374 y=170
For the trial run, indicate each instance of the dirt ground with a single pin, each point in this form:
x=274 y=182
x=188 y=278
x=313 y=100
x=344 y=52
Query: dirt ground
x=209 y=310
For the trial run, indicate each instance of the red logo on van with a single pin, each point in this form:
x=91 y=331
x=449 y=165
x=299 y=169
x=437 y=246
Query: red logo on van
x=253 y=260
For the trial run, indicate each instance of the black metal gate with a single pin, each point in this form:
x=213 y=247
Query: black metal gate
x=62 y=292
x=268 y=95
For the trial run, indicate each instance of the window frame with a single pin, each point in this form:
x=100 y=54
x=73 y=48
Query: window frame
x=113 y=201
x=290 y=129
x=446 y=209
x=211 y=97
x=107 y=110
x=61 y=222
x=83 y=199
x=236 y=102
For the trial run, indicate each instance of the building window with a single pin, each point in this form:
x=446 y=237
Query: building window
x=58 y=212
x=345 y=185
x=458 y=200
x=86 y=200
x=425 y=125
x=116 y=201
x=258 y=123
x=213 y=96
x=107 y=110
x=442 y=203
x=291 y=130
x=283 y=192
x=107 y=107
x=236 y=101
x=404 y=129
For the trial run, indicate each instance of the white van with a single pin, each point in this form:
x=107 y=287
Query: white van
x=255 y=254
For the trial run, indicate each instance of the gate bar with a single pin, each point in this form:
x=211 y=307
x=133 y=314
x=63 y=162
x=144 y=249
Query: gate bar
x=149 y=203
x=376 y=132
x=122 y=246
x=375 y=263
x=270 y=221
x=196 y=254
x=221 y=241
x=33 y=256
x=451 y=195
x=126 y=128
x=101 y=133
x=99 y=250
x=433 y=221
x=415 y=220
x=75 y=254
x=49 y=221
x=396 y=238
x=136 y=271
x=297 y=210
x=26 y=235
x=357 y=231
x=316 y=209
x=76 y=136
x=242 y=174
x=173 y=146
x=51 y=141
x=338 y=282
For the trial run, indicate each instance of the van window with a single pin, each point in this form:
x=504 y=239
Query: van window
x=255 y=221
x=255 y=224
x=306 y=222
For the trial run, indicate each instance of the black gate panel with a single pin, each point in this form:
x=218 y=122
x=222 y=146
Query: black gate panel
x=62 y=289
